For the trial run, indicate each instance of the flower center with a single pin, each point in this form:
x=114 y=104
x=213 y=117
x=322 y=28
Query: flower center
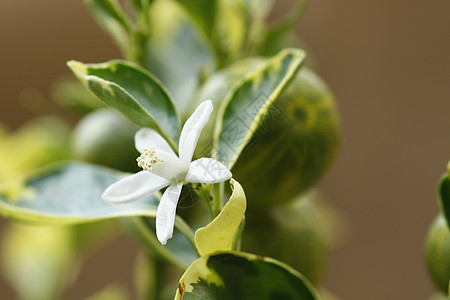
x=148 y=159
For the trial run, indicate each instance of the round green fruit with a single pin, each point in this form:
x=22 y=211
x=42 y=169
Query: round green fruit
x=105 y=137
x=293 y=146
x=300 y=234
x=437 y=253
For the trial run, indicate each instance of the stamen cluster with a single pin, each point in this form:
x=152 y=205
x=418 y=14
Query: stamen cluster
x=147 y=159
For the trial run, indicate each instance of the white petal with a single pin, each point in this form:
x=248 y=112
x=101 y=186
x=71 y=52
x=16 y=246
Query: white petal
x=147 y=138
x=192 y=129
x=134 y=187
x=165 y=215
x=207 y=170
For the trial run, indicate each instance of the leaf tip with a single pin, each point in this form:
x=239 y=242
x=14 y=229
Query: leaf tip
x=77 y=67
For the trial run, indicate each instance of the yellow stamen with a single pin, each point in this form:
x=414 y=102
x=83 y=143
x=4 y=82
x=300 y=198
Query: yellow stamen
x=148 y=159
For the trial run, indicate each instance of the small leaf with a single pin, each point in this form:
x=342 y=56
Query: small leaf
x=220 y=234
x=247 y=105
x=113 y=20
x=69 y=193
x=132 y=91
x=237 y=275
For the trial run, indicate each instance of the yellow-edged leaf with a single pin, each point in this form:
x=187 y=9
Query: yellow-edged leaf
x=220 y=234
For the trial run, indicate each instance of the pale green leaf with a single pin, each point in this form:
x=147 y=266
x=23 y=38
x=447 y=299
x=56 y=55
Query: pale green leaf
x=220 y=234
x=68 y=193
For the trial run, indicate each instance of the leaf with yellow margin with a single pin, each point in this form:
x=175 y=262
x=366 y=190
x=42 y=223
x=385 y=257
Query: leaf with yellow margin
x=220 y=234
x=238 y=275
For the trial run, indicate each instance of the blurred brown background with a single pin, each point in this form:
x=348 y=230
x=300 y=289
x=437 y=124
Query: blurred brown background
x=388 y=63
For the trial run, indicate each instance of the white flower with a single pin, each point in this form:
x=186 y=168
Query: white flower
x=162 y=168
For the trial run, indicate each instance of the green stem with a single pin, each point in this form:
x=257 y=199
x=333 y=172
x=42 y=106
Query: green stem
x=187 y=231
x=152 y=242
x=160 y=270
x=218 y=189
x=204 y=192
x=139 y=35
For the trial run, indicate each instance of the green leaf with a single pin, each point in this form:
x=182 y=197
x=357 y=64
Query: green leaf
x=68 y=193
x=113 y=20
x=132 y=91
x=245 y=107
x=237 y=275
x=220 y=234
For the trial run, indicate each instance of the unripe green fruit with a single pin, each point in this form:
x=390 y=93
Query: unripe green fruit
x=437 y=253
x=105 y=137
x=294 y=146
x=299 y=234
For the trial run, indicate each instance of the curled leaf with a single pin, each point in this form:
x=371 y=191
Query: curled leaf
x=220 y=234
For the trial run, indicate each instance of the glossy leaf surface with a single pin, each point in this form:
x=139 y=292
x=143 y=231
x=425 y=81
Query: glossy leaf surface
x=132 y=91
x=237 y=275
x=246 y=106
x=68 y=193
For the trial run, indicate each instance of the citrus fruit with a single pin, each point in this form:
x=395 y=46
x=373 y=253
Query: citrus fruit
x=293 y=146
x=105 y=137
x=299 y=234
x=437 y=253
